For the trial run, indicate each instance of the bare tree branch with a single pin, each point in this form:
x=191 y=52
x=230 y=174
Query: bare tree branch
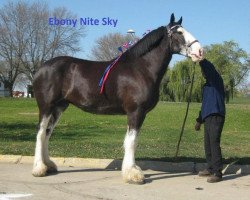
x=106 y=47
x=27 y=39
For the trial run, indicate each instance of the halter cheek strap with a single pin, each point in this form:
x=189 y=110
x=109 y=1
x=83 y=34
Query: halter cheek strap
x=170 y=31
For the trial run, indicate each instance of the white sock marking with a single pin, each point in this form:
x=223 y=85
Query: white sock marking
x=40 y=141
x=130 y=143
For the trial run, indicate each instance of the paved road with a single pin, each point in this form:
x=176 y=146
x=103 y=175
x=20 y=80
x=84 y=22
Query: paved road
x=16 y=182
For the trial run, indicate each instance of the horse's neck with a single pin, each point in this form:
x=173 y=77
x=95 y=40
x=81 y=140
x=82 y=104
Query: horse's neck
x=157 y=62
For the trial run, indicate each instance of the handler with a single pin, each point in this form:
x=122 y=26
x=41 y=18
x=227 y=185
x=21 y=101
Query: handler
x=212 y=114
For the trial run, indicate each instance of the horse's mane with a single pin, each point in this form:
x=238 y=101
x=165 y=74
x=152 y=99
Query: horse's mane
x=146 y=44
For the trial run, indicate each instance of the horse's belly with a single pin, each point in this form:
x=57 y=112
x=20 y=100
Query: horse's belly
x=104 y=109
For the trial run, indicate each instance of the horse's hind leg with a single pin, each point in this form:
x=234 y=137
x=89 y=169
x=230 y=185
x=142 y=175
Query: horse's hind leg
x=42 y=162
x=130 y=171
x=52 y=123
x=39 y=167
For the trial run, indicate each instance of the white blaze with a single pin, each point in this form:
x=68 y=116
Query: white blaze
x=194 y=51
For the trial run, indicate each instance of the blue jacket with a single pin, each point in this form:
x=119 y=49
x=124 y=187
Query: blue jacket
x=213 y=95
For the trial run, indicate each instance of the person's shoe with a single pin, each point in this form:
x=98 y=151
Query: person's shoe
x=214 y=178
x=204 y=173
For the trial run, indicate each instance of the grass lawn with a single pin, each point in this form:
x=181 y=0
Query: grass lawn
x=80 y=134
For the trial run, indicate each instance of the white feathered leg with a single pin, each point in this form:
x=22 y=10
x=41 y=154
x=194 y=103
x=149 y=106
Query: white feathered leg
x=39 y=167
x=130 y=171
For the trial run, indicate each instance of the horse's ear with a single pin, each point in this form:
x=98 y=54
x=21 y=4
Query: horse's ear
x=180 y=21
x=172 y=18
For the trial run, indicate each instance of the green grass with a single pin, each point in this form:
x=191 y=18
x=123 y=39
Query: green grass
x=80 y=134
x=240 y=100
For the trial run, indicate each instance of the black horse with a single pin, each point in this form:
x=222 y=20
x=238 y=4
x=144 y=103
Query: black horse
x=132 y=88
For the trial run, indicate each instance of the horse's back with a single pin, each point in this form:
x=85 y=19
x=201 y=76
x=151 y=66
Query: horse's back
x=57 y=68
x=73 y=80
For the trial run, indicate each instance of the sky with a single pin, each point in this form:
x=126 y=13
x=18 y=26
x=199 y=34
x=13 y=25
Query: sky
x=209 y=21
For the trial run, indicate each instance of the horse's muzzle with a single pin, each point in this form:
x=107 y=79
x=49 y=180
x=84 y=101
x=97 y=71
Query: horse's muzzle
x=196 y=52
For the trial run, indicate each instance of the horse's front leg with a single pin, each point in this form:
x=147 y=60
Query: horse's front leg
x=130 y=171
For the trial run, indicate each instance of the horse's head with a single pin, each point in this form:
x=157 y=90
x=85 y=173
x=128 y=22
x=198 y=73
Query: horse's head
x=182 y=42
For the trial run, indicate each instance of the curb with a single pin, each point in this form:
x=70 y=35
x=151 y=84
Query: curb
x=116 y=164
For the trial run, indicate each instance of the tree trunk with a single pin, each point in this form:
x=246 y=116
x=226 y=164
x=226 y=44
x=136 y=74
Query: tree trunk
x=8 y=85
x=10 y=88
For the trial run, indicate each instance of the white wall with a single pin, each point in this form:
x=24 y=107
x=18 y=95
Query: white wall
x=3 y=92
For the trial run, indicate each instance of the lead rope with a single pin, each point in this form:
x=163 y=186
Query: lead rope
x=185 y=118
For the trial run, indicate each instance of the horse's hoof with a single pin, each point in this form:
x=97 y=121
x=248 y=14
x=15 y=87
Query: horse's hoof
x=40 y=170
x=52 y=168
x=133 y=175
x=39 y=173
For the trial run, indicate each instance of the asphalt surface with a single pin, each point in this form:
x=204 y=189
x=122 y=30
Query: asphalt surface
x=16 y=182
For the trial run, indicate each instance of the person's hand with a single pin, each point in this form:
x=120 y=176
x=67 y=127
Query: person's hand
x=201 y=51
x=197 y=126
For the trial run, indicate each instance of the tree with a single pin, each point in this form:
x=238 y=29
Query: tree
x=27 y=39
x=165 y=93
x=9 y=73
x=230 y=60
x=106 y=47
x=179 y=81
x=232 y=63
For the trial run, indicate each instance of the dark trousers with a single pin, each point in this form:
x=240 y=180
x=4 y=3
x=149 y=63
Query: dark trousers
x=213 y=127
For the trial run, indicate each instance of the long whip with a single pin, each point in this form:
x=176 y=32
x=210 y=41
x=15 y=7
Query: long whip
x=185 y=118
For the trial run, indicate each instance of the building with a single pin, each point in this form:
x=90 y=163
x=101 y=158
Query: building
x=3 y=91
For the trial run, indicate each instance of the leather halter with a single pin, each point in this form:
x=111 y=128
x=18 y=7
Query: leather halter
x=191 y=43
x=170 y=30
